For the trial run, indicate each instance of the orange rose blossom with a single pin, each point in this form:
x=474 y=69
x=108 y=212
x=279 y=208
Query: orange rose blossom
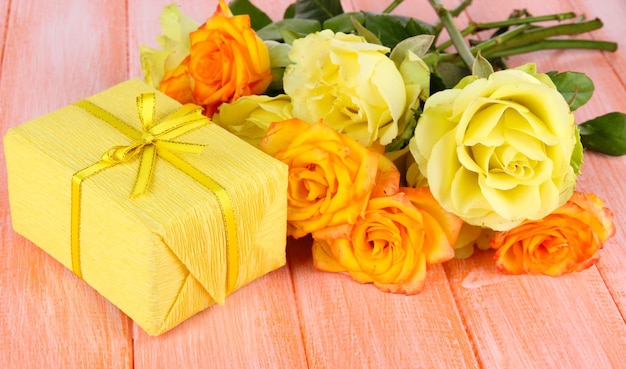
x=563 y=242
x=348 y=198
x=227 y=60
x=393 y=243
x=331 y=177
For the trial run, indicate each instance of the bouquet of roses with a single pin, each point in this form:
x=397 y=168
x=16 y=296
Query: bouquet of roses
x=401 y=153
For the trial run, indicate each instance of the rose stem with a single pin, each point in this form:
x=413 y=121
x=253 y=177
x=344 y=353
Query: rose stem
x=510 y=43
x=392 y=6
x=454 y=12
x=555 y=44
x=453 y=31
x=474 y=28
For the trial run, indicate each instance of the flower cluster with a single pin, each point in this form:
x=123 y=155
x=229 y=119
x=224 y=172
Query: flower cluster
x=389 y=171
x=349 y=199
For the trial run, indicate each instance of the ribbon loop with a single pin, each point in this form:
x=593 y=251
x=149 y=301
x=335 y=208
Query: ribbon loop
x=146 y=107
x=155 y=137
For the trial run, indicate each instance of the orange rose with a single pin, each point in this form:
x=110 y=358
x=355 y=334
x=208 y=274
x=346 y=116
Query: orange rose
x=394 y=242
x=176 y=83
x=227 y=60
x=565 y=241
x=331 y=176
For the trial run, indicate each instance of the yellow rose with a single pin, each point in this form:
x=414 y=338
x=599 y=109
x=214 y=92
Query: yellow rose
x=250 y=116
x=351 y=84
x=174 y=40
x=331 y=176
x=497 y=150
x=565 y=241
x=393 y=243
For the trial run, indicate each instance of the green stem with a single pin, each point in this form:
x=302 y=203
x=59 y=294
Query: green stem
x=392 y=6
x=528 y=48
x=553 y=44
x=543 y=33
x=501 y=40
x=454 y=12
x=526 y=20
x=453 y=31
x=474 y=28
x=465 y=32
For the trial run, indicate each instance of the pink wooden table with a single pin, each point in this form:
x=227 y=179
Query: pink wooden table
x=56 y=52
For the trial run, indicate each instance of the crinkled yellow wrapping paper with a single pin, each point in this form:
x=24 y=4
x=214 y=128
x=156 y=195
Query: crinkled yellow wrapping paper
x=160 y=257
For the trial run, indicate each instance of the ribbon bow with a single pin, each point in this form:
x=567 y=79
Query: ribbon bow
x=155 y=137
x=155 y=140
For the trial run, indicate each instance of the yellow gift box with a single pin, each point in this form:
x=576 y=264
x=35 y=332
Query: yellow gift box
x=158 y=209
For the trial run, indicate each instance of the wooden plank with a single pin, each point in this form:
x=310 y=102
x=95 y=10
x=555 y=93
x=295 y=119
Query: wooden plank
x=348 y=325
x=258 y=327
x=144 y=24
x=534 y=320
x=53 y=56
x=4 y=15
x=605 y=175
x=537 y=321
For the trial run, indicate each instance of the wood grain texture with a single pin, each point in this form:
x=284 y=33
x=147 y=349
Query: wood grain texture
x=296 y=317
x=256 y=328
x=571 y=309
x=605 y=175
x=347 y=325
x=53 y=55
x=4 y=16
x=521 y=321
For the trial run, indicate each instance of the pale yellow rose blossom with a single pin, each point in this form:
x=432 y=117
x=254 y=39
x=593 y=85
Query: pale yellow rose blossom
x=175 y=28
x=250 y=116
x=496 y=151
x=349 y=83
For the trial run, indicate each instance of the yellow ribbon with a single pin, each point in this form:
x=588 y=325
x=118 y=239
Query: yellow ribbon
x=155 y=140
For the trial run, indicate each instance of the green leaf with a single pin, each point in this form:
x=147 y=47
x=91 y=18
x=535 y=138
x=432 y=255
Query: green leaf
x=576 y=161
x=449 y=74
x=575 y=87
x=301 y=26
x=290 y=11
x=481 y=68
x=258 y=18
x=400 y=141
x=365 y=33
x=343 y=22
x=605 y=134
x=388 y=28
x=416 y=27
x=289 y=36
x=319 y=10
x=279 y=53
x=419 y=45
x=436 y=83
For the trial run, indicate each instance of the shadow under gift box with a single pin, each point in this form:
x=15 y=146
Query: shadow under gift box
x=162 y=256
